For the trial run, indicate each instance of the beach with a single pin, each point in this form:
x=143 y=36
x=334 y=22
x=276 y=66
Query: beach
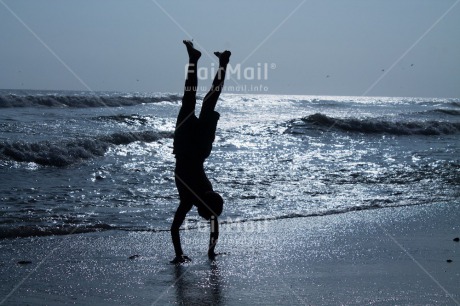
x=328 y=201
x=391 y=256
x=328 y=147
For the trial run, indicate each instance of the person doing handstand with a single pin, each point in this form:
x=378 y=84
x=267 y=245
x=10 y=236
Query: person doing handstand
x=193 y=138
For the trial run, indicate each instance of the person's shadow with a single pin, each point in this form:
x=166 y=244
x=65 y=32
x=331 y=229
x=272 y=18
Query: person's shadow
x=196 y=288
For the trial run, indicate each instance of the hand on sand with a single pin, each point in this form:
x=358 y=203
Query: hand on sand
x=193 y=53
x=180 y=259
x=224 y=57
x=211 y=255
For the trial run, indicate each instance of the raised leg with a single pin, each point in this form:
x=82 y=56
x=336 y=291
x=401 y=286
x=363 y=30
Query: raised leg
x=191 y=82
x=210 y=100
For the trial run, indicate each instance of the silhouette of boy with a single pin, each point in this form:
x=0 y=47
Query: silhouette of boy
x=193 y=140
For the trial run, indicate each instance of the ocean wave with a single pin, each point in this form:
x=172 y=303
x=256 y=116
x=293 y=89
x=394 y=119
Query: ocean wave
x=373 y=126
x=323 y=102
x=127 y=119
x=437 y=111
x=452 y=112
x=81 y=101
x=67 y=152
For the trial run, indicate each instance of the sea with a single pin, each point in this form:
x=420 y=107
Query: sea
x=76 y=162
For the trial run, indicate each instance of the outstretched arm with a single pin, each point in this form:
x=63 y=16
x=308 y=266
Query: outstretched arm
x=213 y=237
x=179 y=218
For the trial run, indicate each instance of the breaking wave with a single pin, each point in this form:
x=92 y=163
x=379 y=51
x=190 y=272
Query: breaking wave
x=445 y=111
x=374 y=126
x=67 y=152
x=81 y=101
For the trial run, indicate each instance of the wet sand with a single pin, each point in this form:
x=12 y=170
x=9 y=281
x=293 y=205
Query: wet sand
x=382 y=256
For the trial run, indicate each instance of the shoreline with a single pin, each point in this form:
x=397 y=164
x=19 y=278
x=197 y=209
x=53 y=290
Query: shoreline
x=199 y=225
x=388 y=256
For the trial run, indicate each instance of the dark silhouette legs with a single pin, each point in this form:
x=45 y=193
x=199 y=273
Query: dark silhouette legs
x=210 y=100
x=191 y=82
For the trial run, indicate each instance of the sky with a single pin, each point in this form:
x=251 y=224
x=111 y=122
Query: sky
x=306 y=47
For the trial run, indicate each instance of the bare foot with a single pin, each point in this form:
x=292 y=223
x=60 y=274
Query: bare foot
x=224 y=57
x=193 y=53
